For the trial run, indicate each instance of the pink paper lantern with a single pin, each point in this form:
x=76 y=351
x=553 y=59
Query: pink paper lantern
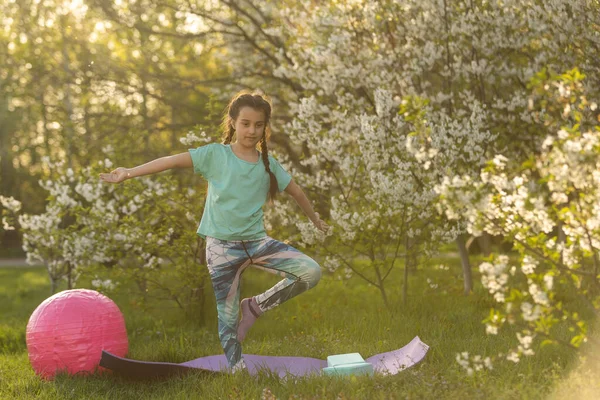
x=69 y=330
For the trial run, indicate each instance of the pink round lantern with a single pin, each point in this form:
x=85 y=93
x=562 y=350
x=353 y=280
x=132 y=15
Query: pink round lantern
x=69 y=330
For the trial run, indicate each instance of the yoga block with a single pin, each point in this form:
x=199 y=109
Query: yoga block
x=339 y=359
x=347 y=364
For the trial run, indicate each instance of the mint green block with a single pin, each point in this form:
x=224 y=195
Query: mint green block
x=363 y=368
x=347 y=364
x=349 y=358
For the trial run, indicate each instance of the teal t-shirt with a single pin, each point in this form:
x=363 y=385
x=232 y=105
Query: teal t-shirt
x=237 y=190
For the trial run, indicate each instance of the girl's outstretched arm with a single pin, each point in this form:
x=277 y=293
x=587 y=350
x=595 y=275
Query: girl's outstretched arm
x=296 y=192
x=182 y=160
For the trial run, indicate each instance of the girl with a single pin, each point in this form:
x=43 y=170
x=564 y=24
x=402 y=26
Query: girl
x=240 y=179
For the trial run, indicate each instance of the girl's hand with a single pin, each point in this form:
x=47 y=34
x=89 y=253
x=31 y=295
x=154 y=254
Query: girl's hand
x=320 y=224
x=117 y=176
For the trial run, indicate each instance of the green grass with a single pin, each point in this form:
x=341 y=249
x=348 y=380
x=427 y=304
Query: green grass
x=335 y=317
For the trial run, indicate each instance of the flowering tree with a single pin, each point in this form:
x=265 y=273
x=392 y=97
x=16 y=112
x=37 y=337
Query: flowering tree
x=460 y=93
x=329 y=61
x=143 y=230
x=384 y=97
x=549 y=209
x=359 y=119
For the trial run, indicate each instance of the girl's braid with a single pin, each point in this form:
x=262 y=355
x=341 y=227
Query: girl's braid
x=273 y=180
x=227 y=138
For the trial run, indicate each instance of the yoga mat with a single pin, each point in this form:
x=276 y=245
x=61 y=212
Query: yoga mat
x=389 y=363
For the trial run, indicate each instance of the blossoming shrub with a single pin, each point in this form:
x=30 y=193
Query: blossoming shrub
x=354 y=64
x=141 y=232
x=549 y=209
x=357 y=118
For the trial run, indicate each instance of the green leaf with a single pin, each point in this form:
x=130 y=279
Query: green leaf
x=576 y=280
x=577 y=340
x=547 y=342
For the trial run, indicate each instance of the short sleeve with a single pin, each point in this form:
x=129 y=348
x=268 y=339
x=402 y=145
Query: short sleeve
x=202 y=159
x=283 y=177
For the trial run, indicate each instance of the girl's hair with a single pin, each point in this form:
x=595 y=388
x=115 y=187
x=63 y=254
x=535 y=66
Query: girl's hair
x=259 y=102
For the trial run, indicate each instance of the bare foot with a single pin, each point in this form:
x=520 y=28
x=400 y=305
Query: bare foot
x=250 y=313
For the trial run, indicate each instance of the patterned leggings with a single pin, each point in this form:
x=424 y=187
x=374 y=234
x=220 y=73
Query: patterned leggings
x=226 y=262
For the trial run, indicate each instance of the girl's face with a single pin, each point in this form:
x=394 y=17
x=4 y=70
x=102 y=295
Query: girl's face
x=249 y=126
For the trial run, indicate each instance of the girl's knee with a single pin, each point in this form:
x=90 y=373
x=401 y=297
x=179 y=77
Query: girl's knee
x=313 y=274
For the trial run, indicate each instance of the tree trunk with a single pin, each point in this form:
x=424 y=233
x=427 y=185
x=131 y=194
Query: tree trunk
x=381 y=286
x=405 y=286
x=485 y=243
x=68 y=123
x=42 y=99
x=406 y=266
x=70 y=276
x=174 y=133
x=466 y=266
x=144 y=112
x=53 y=281
x=196 y=305
x=7 y=131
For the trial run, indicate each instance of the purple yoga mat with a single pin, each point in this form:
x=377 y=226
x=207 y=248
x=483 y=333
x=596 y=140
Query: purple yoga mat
x=387 y=363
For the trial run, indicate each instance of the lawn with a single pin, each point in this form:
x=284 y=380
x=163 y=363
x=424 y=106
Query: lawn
x=335 y=317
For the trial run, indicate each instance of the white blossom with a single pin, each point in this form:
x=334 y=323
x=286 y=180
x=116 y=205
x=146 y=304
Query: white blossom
x=10 y=204
x=530 y=312
x=513 y=356
x=529 y=265
x=192 y=138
